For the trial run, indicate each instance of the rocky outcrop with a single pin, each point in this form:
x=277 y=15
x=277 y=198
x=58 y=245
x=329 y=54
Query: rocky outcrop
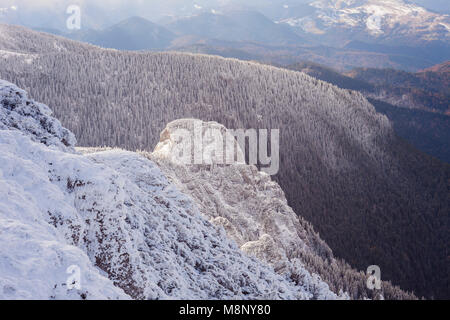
x=253 y=210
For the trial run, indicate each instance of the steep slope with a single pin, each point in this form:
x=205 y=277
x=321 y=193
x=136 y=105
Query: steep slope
x=404 y=98
x=330 y=75
x=440 y=68
x=352 y=55
x=427 y=90
x=114 y=216
x=35 y=256
x=427 y=131
x=373 y=198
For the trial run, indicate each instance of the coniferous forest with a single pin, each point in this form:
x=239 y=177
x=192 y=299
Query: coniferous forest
x=372 y=197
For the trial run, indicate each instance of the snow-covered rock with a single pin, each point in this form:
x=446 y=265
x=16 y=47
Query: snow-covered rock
x=115 y=217
x=34 y=119
x=248 y=205
x=190 y=141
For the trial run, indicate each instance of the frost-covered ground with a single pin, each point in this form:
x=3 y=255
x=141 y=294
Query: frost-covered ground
x=114 y=215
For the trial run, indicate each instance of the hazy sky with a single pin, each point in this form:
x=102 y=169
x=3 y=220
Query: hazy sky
x=98 y=13
x=52 y=13
x=95 y=13
x=112 y=4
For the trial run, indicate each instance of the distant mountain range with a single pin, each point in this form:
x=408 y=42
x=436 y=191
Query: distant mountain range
x=427 y=90
x=135 y=33
x=328 y=22
x=441 y=6
x=343 y=34
x=356 y=54
x=236 y=26
x=263 y=40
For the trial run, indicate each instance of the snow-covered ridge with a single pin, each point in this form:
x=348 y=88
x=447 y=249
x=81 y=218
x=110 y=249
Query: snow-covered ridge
x=116 y=216
x=34 y=119
x=379 y=18
x=249 y=206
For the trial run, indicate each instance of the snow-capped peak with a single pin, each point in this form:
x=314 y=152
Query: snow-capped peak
x=390 y=19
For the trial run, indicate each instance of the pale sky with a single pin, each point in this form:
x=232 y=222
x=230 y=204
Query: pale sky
x=98 y=13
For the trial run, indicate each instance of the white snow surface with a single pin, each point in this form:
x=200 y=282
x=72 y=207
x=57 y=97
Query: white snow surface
x=115 y=216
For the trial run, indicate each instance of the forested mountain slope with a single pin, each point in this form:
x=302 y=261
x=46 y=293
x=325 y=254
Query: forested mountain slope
x=427 y=131
x=409 y=101
x=427 y=90
x=443 y=68
x=237 y=25
x=373 y=199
